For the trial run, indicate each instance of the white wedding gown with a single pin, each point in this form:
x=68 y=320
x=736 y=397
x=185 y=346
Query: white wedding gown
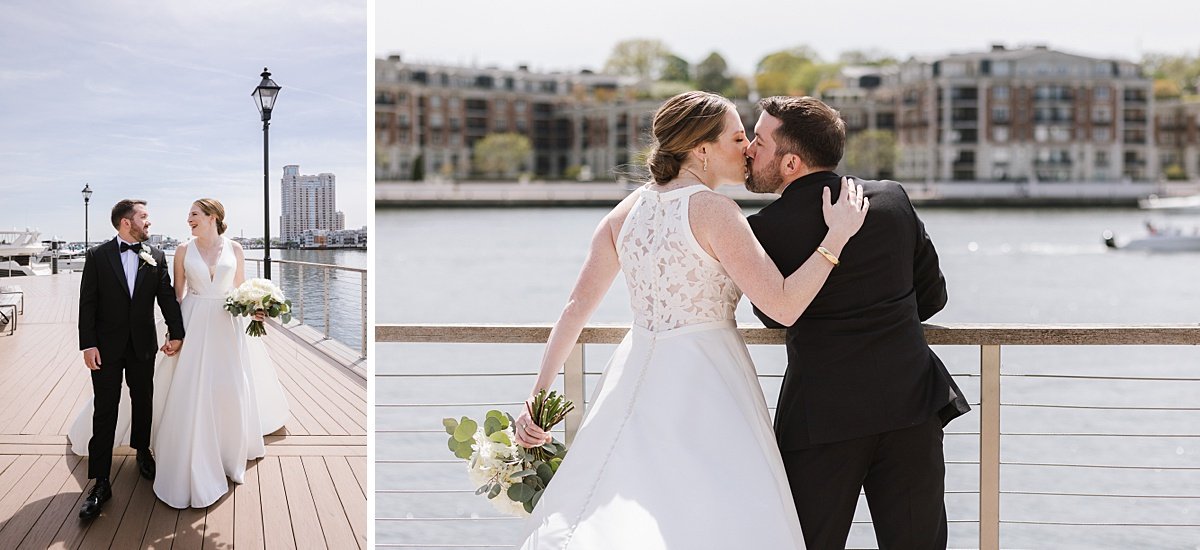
x=676 y=450
x=213 y=401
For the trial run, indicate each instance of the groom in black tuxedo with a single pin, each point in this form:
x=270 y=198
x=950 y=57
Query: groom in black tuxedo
x=122 y=278
x=864 y=398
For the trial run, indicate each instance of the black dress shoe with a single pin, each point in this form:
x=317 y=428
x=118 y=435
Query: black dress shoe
x=145 y=463
x=100 y=494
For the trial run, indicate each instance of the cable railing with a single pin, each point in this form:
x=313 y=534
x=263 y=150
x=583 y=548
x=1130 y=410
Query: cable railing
x=323 y=296
x=989 y=339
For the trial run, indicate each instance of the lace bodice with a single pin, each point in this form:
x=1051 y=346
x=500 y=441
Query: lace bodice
x=672 y=281
x=199 y=282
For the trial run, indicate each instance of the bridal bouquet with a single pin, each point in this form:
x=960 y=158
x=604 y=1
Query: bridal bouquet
x=499 y=464
x=256 y=294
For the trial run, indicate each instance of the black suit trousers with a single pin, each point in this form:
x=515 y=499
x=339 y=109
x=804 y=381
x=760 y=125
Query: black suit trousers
x=902 y=473
x=138 y=373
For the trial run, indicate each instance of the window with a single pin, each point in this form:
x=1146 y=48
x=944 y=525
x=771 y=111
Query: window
x=1060 y=133
x=1102 y=114
x=1041 y=133
x=1000 y=134
x=999 y=92
x=1100 y=93
x=1102 y=135
x=1000 y=115
x=435 y=102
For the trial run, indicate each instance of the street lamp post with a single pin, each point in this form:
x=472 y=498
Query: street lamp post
x=264 y=98
x=87 y=196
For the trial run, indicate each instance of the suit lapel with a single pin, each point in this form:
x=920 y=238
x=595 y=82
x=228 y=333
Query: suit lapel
x=142 y=268
x=114 y=258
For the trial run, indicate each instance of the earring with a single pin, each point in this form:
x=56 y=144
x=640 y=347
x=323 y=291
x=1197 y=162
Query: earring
x=705 y=164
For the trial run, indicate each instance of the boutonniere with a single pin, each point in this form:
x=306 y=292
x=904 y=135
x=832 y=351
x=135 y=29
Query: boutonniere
x=146 y=257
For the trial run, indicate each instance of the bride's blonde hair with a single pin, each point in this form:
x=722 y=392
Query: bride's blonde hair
x=213 y=207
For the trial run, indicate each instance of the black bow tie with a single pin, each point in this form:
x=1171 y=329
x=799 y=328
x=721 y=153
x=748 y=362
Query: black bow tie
x=136 y=248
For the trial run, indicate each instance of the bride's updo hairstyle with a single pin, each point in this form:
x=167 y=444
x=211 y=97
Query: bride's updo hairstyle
x=213 y=207
x=682 y=123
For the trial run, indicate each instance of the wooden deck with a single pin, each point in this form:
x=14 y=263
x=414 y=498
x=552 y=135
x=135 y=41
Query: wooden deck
x=308 y=492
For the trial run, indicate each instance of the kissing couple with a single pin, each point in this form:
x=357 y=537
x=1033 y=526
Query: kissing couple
x=677 y=448
x=203 y=410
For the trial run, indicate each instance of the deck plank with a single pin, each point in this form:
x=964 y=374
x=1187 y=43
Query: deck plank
x=65 y=504
x=277 y=526
x=334 y=521
x=218 y=524
x=18 y=522
x=247 y=511
x=305 y=521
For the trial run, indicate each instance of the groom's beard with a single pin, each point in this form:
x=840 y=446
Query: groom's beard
x=766 y=180
x=139 y=233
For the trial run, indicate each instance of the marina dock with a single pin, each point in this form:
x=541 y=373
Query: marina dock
x=308 y=492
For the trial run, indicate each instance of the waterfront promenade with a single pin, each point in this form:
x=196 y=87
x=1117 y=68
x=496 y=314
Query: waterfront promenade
x=963 y=194
x=308 y=492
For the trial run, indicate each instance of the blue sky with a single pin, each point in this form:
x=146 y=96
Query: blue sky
x=550 y=34
x=152 y=100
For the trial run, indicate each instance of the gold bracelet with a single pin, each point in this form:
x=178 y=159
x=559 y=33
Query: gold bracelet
x=828 y=255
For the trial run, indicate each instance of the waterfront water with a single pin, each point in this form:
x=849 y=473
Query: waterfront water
x=1003 y=266
x=344 y=291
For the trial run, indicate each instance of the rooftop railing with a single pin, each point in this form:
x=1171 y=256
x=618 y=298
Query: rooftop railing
x=989 y=339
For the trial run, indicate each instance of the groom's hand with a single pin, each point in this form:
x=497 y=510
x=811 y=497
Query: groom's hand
x=172 y=347
x=91 y=358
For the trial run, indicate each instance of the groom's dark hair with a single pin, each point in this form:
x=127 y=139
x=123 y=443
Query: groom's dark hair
x=809 y=129
x=124 y=209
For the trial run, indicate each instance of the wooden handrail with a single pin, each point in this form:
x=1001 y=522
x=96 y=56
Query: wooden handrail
x=941 y=335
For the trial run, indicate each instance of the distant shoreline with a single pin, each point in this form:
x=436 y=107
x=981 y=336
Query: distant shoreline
x=406 y=195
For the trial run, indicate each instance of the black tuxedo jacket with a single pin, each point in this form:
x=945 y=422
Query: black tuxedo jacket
x=109 y=318
x=858 y=363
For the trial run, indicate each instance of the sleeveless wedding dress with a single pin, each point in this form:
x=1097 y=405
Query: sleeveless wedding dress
x=213 y=401
x=676 y=450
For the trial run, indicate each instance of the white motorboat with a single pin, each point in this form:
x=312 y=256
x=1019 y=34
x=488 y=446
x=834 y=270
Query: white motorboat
x=1166 y=241
x=1171 y=204
x=20 y=253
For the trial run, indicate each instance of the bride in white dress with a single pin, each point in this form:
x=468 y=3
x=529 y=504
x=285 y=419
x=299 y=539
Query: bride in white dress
x=217 y=397
x=676 y=449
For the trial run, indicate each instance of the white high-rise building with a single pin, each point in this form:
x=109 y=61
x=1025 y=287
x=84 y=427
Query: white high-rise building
x=309 y=203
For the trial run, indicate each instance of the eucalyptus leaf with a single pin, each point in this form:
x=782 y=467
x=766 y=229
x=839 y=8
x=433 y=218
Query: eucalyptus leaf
x=483 y=488
x=550 y=449
x=545 y=472
x=450 y=425
x=528 y=505
x=491 y=426
x=555 y=463
x=523 y=473
x=520 y=492
x=536 y=497
x=463 y=451
x=495 y=491
x=466 y=429
x=501 y=438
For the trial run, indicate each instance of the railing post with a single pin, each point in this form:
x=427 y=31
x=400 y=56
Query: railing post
x=300 y=292
x=573 y=387
x=326 y=298
x=364 y=314
x=989 y=447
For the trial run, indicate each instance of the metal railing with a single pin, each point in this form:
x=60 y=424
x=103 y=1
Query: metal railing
x=340 y=285
x=988 y=338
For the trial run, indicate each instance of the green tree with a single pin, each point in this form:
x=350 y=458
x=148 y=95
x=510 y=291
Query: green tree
x=777 y=72
x=501 y=155
x=712 y=74
x=739 y=88
x=871 y=154
x=873 y=57
x=641 y=57
x=1182 y=70
x=676 y=69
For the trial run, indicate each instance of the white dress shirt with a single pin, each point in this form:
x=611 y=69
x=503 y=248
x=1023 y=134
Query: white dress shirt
x=129 y=261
